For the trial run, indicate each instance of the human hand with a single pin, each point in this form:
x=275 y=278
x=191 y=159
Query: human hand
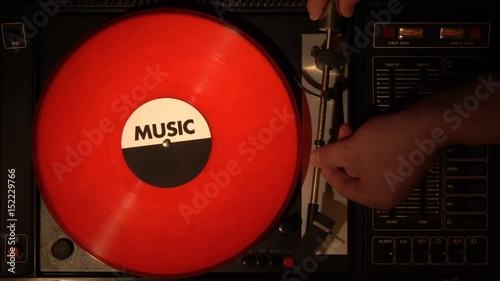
x=363 y=166
x=315 y=7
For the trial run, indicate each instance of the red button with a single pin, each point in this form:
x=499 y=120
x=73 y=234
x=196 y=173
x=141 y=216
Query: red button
x=388 y=33
x=288 y=262
x=475 y=33
x=16 y=253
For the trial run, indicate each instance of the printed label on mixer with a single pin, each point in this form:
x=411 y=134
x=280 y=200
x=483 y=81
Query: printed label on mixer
x=166 y=142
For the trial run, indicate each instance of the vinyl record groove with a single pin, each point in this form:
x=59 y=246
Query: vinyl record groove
x=166 y=144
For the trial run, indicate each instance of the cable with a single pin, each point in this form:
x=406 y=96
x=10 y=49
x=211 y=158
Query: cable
x=307 y=91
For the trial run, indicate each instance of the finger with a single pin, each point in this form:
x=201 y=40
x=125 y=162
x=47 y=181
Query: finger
x=350 y=188
x=315 y=8
x=329 y=156
x=343 y=184
x=347 y=7
x=344 y=131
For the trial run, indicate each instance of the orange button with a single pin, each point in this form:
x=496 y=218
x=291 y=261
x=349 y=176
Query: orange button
x=405 y=33
x=456 y=33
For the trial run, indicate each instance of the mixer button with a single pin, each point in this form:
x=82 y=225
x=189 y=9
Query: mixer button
x=477 y=249
x=469 y=222
x=383 y=250
x=456 y=250
x=276 y=261
x=454 y=204
x=249 y=261
x=466 y=186
x=15 y=251
x=420 y=250
x=438 y=250
x=262 y=261
x=62 y=249
x=469 y=168
x=470 y=204
x=288 y=262
x=454 y=152
x=290 y=224
x=403 y=250
x=454 y=222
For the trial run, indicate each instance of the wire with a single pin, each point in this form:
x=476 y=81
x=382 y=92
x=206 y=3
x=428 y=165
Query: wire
x=307 y=91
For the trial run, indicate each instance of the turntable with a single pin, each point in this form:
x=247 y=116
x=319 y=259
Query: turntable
x=165 y=139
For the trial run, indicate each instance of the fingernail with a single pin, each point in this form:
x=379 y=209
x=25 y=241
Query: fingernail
x=348 y=12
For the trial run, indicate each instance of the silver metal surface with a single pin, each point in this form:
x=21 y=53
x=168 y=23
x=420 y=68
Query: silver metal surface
x=79 y=261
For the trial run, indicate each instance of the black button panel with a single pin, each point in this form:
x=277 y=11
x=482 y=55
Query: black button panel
x=443 y=226
x=262 y=261
x=438 y=250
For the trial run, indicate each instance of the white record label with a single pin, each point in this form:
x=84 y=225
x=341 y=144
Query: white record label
x=166 y=142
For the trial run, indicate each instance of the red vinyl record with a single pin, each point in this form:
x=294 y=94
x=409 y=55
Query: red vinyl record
x=166 y=144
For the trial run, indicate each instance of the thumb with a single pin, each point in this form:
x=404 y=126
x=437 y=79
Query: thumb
x=329 y=156
x=315 y=8
x=347 y=7
x=344 y=131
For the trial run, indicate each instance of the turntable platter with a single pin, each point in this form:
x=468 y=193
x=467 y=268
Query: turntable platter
x=166 y=143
